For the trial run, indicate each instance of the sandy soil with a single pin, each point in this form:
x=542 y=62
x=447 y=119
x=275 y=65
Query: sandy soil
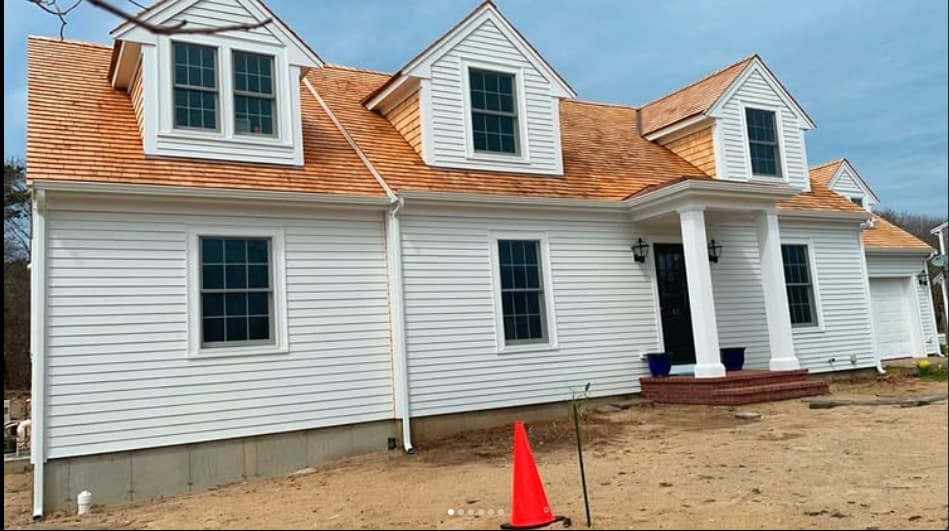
x=673 y=467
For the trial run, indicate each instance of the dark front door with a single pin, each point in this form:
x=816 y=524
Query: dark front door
x=674 y=303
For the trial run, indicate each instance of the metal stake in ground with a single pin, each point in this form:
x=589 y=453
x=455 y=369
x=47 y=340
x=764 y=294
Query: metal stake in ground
x=576 y=426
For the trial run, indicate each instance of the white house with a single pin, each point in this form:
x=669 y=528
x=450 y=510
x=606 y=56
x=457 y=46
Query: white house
x=247 y=260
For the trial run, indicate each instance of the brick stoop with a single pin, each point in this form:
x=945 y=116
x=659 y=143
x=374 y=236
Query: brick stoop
x=735 y=388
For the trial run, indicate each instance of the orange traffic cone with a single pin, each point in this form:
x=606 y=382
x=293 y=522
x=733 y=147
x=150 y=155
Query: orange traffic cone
x=529 y=506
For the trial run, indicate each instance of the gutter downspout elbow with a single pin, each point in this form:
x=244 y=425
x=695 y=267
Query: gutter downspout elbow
x=397 y=309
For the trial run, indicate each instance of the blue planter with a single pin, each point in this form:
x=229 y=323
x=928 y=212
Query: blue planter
x=660 y=363
x=733 y=358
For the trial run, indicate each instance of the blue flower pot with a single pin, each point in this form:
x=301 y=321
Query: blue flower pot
x=733 y=358
x=660 y=363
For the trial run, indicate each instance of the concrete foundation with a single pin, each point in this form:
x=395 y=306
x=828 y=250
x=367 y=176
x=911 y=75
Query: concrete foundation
x=144 y=474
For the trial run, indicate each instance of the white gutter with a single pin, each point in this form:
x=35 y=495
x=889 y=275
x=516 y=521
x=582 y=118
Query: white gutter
x=38 y=349
x=724 y=189
x=394 y=266
x=207 y=193
x=826 y=215
x=900 y=251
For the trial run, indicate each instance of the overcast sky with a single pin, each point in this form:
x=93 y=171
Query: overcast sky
x=872 y=74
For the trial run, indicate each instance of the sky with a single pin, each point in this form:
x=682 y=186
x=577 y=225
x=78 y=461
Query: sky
x=871 y=73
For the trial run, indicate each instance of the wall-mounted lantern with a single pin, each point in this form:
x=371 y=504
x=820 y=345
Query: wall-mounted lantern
x=714 y=251
x=640 y=250
x=923 y=278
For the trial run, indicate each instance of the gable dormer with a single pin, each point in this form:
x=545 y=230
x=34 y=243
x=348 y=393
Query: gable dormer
x=231 y=95
x=739 y=123
x=841 y=177
x=482 y=98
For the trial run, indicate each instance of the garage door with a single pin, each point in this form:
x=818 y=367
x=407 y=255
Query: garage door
x=892 y=318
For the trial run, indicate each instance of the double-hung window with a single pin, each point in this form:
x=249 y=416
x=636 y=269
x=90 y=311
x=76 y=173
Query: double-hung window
x=237 y=295
x=493 y=112
x=522 y=291
x=254 y=97
x=763 y=143
x=195 y=86
x=800 y=285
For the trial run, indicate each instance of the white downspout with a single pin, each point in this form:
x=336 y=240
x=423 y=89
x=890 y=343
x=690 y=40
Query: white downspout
x=38 y=348
x=943 y=234
x=394 y=265
x=397 y=309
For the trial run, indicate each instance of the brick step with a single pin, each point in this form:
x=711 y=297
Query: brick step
x=737 y=377
x=768 y=392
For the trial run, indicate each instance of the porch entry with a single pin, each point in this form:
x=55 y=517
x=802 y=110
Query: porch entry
x=674 y=303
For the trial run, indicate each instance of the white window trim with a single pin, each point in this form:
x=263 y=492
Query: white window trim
x=225 y=74
x=523 y=155
x=501 y=346
x=779 y=132
x=279 y=278
x=815 y=286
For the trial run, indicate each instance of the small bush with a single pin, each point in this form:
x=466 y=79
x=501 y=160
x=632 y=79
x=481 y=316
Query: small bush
x=931 y=371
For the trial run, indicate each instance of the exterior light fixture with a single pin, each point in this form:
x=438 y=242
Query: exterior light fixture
x=923 y=278
x=714 y=251
x=640 y=250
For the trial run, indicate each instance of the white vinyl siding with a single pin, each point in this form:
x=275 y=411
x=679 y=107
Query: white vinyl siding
x=218 y=13
x=909 y=266
x=119 y=373
x=605 y=311
x=848 y=185
x=845 y=327
x=446 y=109
x=732 y=137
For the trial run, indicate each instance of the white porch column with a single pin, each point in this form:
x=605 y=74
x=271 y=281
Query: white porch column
x=701 y=301
x=775 y=293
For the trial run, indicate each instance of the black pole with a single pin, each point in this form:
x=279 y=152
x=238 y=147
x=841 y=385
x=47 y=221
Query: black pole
x=583 y=475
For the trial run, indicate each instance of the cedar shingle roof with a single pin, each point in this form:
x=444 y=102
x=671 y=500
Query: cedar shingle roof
x=603 y=157
x=885 y=235
x=692 y=99
x=80 y=128
x=823 y=173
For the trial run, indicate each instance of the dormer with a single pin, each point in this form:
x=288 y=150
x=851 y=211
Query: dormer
x=739 y=124
x=480 y=98
x=841 y=177
x=231 y=95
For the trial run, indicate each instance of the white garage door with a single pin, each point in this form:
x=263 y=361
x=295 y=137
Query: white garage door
x=892 y=317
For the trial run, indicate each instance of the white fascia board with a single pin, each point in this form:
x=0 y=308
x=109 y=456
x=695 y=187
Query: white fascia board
x=864 y=187
x=756 y=66
x=454 y=198
x=209 y=193
x=680 y=129
x=741 y=192
x=826 y=215
x=421 y=65
x=902 y=251
x=299 y=53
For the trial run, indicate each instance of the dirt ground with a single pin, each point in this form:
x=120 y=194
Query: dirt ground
x=660 y=467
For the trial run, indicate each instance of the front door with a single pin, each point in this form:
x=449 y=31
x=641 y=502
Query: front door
x=674 y=303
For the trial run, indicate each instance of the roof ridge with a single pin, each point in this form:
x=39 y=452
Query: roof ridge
x=602 y=103
x=75 y=42
x=697 y=81
x=356 y=69
x=828 y=163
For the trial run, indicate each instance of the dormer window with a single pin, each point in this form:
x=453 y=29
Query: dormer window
x=763 y=143
x=857 y=201
x=254 y=96
x=195 y=82
x=493 y=112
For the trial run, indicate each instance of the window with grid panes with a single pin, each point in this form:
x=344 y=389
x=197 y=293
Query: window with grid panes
x=522 y=291
x=195 y=86
x=236 y=291
x=800 y=285
x=493 y=112
x=254 y=96
x=763 y=142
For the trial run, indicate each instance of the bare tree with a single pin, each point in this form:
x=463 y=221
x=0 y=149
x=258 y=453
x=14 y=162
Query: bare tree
x=60 y=11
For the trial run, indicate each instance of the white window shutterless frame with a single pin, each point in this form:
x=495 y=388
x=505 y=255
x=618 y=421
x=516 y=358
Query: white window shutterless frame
x=279 y=329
